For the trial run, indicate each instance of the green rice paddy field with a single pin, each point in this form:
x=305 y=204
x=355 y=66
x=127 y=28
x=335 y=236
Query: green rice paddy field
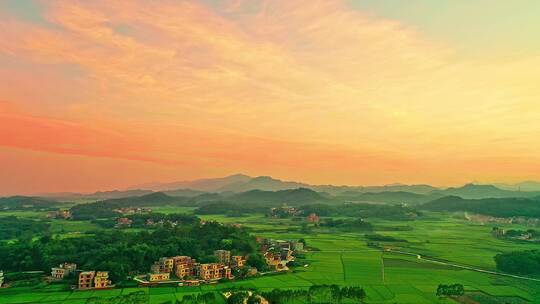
x=345 y=259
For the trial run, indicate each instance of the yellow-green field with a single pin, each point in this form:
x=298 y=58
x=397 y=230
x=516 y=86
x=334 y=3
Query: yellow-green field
x=345 y=259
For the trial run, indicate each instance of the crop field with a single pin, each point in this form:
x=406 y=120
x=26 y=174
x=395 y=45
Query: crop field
x=344 y=258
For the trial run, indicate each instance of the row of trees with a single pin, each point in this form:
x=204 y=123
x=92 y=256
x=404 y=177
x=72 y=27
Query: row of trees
x=520 y=262
x=390 y=212
x=450 y=290
x=159 y=219
x=139 y=297
x=499 y=207
x=316 y=294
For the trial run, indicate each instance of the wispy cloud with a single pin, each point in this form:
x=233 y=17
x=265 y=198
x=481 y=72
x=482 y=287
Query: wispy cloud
x=247 y=84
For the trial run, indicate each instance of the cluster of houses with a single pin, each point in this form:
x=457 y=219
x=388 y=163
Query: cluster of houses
x=188 y=270
x=60 y=214
x=279 y=253
x=86 y=279
x=486 y=219
x=133 y=210
x=286 y=211
x=124 y=222
x=528 y=235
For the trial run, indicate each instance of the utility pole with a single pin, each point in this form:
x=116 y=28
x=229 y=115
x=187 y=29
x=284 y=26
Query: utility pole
x=382 y=265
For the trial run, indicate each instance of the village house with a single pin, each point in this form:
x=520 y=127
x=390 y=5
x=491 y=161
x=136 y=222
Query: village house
x=312 y=218
x=101 y=280
x=278 y=253
x=214 y=271
x=86 y=279
x=157 y=277
x=94 y=279
x=238 y=261
x=63 y=270
x=185 y=266
x=297 y=245
x=163 y=265
x=132 y=210
x=274 y=261
x=123 y=222
x=223 y=256
x=283 y=211
x=60 y=214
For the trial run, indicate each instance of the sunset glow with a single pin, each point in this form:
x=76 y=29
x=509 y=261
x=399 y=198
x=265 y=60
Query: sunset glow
x=99 y=95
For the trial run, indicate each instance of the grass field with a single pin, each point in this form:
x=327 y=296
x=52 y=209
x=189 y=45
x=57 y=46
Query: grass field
x=345 y=259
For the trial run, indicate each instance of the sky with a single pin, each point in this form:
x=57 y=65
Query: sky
x=100 y=95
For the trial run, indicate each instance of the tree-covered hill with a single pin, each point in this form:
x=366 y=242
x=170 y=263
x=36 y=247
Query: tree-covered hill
x=104 y=209
x=25 y=202
x=391 y=197
x=499 y=207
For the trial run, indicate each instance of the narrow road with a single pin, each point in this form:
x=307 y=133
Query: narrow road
x=418 y=256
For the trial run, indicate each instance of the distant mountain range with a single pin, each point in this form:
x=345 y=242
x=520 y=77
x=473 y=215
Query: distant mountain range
x=240 y=183
x=523 y=186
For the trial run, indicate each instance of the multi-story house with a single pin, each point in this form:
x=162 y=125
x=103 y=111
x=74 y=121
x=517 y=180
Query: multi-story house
x=185 y=266
x=238 y=261
x=94 y=279
x=223 y=256
x=214 y=271
x=163 y=265
x=86 y=279
x=63 y=270
x=156 y=277
x=101 y=279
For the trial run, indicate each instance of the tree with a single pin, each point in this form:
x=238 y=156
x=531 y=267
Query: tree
x=237 y=297
x=450 y=290
x=254 y=299
x=258 y=261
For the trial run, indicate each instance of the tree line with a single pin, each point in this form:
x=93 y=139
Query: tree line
x=125 y=253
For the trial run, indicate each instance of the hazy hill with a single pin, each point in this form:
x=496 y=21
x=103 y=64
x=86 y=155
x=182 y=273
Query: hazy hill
x=206 y=184
x=397 y=197
x=104 y=209
x=100 y=195
x=238 y=183
x=265 y=183
x=25 y=202
x=523 y=186
x=152 y=199
x=499 y=207
x=184 y=192
x=242 y=183
x=473 y=191
x=292 y=197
